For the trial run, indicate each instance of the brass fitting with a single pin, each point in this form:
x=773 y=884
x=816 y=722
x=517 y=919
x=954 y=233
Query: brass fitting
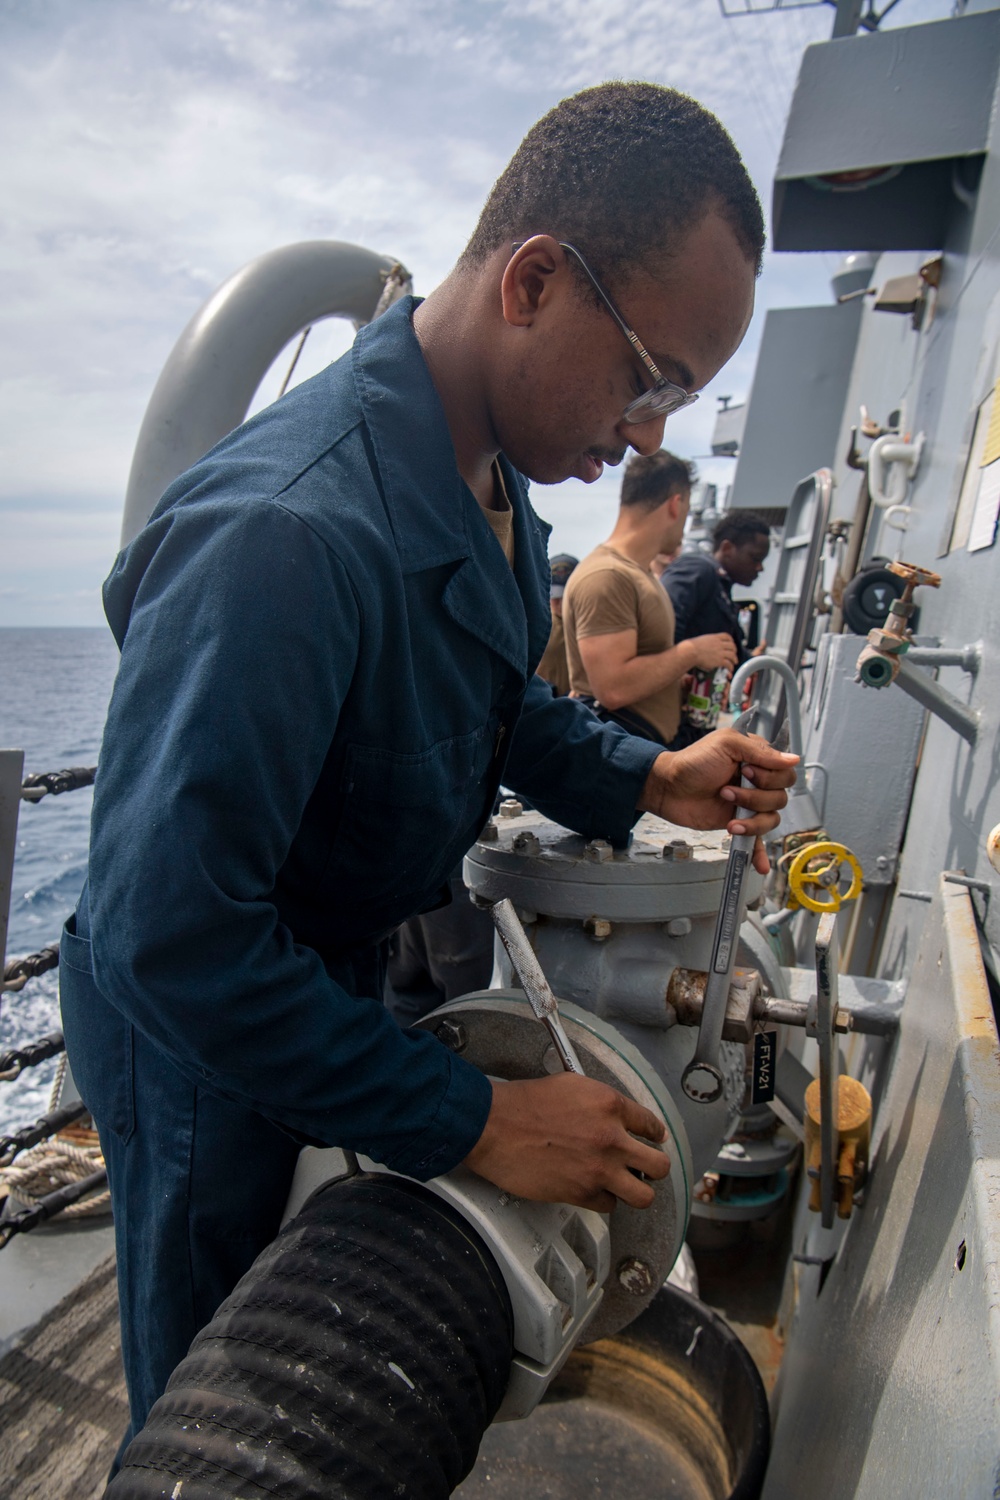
x=854 y=1128
x=878 y=664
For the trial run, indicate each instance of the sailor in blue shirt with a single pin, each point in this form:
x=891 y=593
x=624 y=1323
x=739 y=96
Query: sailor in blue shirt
x=701 y=587
x=326 y=668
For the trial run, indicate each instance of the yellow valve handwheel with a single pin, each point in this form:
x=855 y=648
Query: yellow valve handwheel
x=820 y=868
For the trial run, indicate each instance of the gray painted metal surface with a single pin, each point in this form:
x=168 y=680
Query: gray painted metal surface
x=799 y=388
x=209 y=380
x=504 y=1039
x=906 y=94
x=666 y=871
x=891 y=1378
x=924 y=690
x=883 y=364
x=727 y=434
x=890 y=1384
x=861 y=747
x=609 y=927
x=917 y=100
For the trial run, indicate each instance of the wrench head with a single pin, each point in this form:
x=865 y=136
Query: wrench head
x=744 y=722
x=702 y=1081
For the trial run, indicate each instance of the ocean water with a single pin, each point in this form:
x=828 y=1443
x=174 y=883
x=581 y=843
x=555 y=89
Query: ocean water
x=54 y=691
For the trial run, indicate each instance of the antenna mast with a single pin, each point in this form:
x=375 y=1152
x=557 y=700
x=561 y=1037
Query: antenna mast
x=850 y=15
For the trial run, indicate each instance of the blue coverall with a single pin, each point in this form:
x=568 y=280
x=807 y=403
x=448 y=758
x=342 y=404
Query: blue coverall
x=326 y=667
x=702 y=595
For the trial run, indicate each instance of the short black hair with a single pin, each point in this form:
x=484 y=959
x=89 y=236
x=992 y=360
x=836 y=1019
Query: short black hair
x=621 y=171
x=739 y=527
x=649 y=480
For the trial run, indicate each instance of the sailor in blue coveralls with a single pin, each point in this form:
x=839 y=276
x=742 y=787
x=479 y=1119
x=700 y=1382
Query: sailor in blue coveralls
x=327 y=653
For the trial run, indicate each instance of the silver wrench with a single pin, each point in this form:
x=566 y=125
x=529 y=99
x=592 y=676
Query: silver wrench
x=533 y=982
x=702 y=1079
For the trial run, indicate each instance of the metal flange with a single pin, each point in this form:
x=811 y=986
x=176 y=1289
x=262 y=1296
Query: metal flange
x=665 y=872
x=503 y=1039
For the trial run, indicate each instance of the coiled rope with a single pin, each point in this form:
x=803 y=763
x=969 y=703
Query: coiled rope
x=63 y=1161
x=69 y=1158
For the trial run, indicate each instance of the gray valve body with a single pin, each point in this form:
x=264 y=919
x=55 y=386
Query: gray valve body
x=610 y=926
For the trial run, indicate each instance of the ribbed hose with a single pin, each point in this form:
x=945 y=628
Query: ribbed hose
x=362 y=1357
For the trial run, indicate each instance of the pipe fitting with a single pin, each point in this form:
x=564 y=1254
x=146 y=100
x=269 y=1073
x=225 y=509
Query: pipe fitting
x=877 y=668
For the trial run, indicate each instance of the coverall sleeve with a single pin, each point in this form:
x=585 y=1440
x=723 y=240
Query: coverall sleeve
x=586 y=775
x=241 y=640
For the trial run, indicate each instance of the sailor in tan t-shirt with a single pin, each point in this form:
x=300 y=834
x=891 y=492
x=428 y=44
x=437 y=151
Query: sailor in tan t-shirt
x=619 y=621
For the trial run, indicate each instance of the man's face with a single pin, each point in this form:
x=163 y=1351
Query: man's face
x=563 y=372
x=745 y=562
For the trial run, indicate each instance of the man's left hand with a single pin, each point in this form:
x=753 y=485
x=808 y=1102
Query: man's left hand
x=699 y=787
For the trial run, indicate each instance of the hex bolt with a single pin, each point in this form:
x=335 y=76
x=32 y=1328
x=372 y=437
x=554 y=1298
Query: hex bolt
x=598 y=851
x=882 y=862
x=526 y=843
x=677 y=849
x=678 y=926
x=453 y=1034
x=511 y=808
x=599 y=928
x=635 y=1276
x=489 y=834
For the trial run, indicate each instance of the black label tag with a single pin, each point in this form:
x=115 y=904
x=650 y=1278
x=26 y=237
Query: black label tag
x=762 y=1091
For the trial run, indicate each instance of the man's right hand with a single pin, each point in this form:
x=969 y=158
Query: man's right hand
x=567 y=1139
x=713 y=651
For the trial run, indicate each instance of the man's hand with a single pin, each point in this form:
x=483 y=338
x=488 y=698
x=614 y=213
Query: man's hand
x=566 y=1139
x=713 y=651
x=698 y=787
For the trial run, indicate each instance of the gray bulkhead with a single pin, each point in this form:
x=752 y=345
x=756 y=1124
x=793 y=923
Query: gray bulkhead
x=890 y=1384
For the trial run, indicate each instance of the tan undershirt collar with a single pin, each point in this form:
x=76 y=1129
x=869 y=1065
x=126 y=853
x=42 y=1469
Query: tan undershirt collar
x=502 y=520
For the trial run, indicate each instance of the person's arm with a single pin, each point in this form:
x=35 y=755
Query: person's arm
x=583 y=774
x=242 y=637
x=699 y=787
x=619 y=676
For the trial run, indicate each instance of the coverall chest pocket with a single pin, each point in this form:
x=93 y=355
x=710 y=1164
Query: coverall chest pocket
x=403 y=812
x=98 y=1039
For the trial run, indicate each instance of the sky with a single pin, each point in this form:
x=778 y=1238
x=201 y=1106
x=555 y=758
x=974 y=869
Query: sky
x=152 y=147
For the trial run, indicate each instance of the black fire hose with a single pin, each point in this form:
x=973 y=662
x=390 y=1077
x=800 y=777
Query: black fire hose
x=362 y=1356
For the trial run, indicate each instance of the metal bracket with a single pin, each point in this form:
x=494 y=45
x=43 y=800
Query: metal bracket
x=11 y=773
x=791 y=1079
x=820 y=1026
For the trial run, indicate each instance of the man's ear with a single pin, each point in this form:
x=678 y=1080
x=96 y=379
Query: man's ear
x=529 y=279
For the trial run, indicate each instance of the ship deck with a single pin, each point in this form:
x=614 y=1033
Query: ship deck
x=62 y=1393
